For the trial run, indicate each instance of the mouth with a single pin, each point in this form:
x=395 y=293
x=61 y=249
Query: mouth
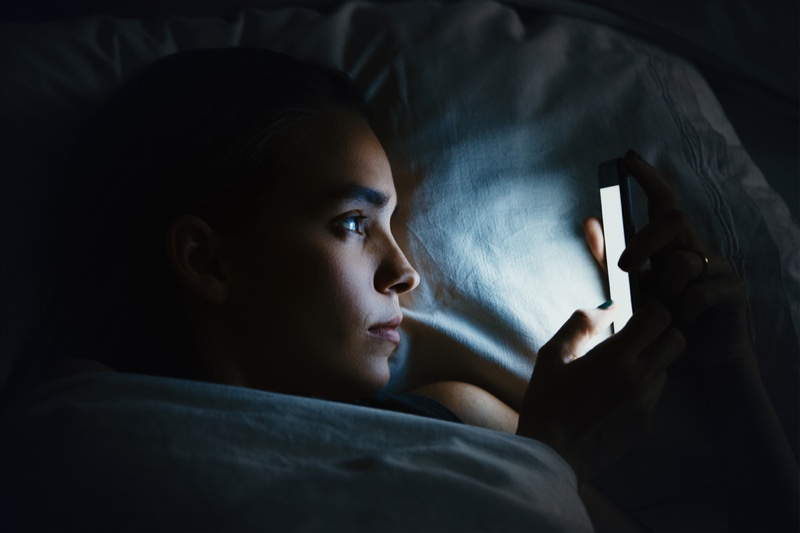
x=387 y=330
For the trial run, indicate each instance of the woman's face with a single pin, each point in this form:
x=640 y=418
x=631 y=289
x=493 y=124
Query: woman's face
x=313 y=304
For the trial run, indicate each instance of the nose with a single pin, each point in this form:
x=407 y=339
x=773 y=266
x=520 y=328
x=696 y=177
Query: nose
x=395 y=273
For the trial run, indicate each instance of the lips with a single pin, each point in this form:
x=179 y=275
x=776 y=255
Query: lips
x=387 y=330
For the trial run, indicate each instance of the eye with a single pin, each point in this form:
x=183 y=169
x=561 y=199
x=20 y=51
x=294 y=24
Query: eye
x=352 y=223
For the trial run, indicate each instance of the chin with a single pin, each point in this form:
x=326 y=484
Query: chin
x=369 y=383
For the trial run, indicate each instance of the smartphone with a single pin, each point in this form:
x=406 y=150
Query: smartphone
x=618 y=230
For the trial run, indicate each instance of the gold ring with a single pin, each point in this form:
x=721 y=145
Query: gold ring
x=704 y=259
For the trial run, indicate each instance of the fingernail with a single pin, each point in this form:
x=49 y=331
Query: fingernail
x=635 y=154
x=606 y=305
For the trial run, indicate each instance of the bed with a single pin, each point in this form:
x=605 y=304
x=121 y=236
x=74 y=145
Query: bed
x=495 y=116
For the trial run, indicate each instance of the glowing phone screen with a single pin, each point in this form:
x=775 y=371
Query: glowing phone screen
x=613 y=188
x=613 y=230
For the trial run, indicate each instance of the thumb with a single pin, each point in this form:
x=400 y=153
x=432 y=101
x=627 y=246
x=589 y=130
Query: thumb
x=593 y=232
x=570 y=340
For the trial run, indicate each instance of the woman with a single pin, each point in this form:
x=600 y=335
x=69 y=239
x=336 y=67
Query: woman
x=246 y=239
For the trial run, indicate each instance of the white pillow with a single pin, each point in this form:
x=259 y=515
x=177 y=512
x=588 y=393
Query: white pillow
x=495 y=125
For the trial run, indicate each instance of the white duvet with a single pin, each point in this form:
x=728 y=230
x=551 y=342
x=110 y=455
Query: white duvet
x=120 y=452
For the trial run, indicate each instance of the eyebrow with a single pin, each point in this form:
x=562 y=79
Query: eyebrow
x=361 y=193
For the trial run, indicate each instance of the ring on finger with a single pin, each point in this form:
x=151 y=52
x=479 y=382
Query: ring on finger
x=704 y=261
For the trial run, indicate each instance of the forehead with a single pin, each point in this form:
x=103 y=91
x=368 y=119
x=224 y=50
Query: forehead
x=336 y=152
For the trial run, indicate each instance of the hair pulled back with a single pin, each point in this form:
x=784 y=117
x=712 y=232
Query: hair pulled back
x=205 y=132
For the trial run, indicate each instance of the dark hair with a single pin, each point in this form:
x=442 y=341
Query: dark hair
x=202 y=132
x=204 y=127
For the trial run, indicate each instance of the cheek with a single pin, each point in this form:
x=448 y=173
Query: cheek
x=339 y=280
x=322 y=282
x=349 y=283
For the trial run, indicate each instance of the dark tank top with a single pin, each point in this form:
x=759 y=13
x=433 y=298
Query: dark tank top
x=413 y=404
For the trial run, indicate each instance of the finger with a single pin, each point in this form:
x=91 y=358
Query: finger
x=632 y=380
x=644 y=327
x=569 y=341
x=713 y=293
x=661 y=353
x=685 y=266
x=627 y=424
x=652 y=393
x=642 y=405
x=671 y=229
x=593 y=231
x=649 y=395
x=660 y=197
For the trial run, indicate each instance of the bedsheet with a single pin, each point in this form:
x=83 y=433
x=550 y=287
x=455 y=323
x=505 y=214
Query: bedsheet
x=204 y=457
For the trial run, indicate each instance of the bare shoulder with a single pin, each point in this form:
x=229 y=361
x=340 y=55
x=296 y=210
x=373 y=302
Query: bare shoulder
x=64 y=367
x=57 y=368
x=472 y=404
x=74 y=365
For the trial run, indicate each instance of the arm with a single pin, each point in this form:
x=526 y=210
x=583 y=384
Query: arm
x=473 y=405
x=709 y=302
x=762 y=473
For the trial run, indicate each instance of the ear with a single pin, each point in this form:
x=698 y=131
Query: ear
x=593 y=230
x=193 y=250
